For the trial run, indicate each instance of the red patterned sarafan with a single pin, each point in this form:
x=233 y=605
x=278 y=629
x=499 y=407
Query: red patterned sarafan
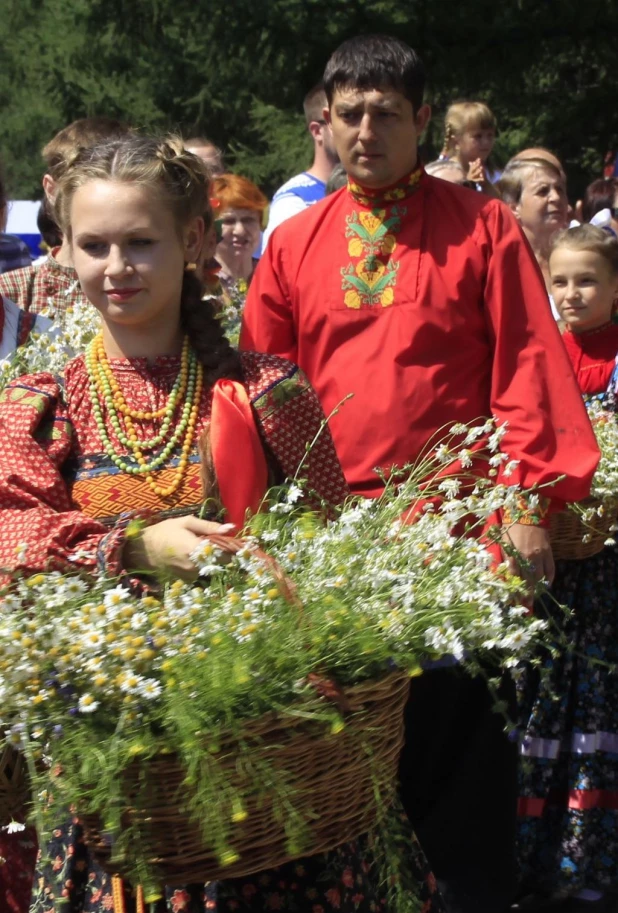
x=64 y=503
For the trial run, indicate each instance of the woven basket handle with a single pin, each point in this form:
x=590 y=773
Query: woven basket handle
x=326 y=687
x=232 y=546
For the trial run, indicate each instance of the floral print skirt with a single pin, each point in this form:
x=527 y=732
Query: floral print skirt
x=568 y=807
x=345 y=880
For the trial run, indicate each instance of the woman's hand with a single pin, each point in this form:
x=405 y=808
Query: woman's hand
x=532 y=543
x=167 y=546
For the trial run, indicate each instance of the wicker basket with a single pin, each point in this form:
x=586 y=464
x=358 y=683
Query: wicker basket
x=14 y=785
x=567 y=531
x=333 y=778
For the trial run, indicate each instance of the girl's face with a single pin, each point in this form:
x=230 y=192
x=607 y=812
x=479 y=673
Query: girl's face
x=543 y=207
x=583 y=287
x=476 y=144
x=129 y=254
x=240 y=232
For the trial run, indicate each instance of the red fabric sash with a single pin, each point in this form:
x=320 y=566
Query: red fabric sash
x=237 y=452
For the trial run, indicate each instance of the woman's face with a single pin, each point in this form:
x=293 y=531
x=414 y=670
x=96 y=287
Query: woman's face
x=476 y=144
x=129 y=254
x=543 y=207
x=240 y=233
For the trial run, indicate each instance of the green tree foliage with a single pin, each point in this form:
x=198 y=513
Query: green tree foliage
x=237 y=70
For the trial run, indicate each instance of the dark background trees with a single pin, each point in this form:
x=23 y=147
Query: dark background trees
x=237 y=70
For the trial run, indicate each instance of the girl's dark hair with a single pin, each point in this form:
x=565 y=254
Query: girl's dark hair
x=376 y=62
x=206 y=333
x=599 y=195
x=46 y=224
x=181 y=181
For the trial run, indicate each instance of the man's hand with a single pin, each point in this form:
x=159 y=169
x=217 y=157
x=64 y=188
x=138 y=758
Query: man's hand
x=532 y=542
x=167 y=546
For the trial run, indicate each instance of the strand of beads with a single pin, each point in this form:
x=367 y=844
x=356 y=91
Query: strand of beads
x=116 y=403
x=105 y=392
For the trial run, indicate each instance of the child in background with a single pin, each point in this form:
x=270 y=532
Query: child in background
x=568 y=832
x=51 y=284
x=469 y=136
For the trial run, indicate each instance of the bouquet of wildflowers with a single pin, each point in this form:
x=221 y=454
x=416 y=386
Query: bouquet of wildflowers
x=94 y=675
x=50 y=350
x=601 y=513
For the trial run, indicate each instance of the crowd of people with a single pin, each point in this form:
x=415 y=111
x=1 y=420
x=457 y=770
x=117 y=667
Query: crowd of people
x=434 y=294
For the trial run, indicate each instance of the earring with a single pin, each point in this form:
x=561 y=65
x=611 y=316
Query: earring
x=190 y=267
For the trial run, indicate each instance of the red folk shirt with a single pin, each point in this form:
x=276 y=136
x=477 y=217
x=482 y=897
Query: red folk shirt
x=593 y=356
x=426 y=304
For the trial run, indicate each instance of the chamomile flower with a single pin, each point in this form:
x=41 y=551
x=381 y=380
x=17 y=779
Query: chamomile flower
x=74 y=587
x=294 y=494
x=450 y=488
x=93 y=639
x=117 y=597
x=131 y=683
x=87 y=704
x=150 y=689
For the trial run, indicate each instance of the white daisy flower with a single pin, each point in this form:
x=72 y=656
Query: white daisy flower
x=87 y=704
x=150 y=689
x=116 y=597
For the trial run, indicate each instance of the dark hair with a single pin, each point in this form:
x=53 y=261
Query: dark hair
x=338 y=179
x=46 y=224
x=599 y=195
x=376 y=62
x=204 y=329
x=181 y=181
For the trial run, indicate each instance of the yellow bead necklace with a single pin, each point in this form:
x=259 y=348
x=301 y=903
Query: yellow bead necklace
x=185 y=395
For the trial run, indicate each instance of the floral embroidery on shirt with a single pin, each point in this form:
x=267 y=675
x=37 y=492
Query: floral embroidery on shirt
x=370 y=282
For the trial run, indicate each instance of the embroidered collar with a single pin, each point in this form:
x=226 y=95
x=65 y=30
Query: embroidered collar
x=384 y=195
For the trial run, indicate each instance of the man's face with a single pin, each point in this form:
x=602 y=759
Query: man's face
x=376 y=133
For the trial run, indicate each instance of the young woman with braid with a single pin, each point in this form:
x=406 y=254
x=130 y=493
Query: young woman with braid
x=118 y=440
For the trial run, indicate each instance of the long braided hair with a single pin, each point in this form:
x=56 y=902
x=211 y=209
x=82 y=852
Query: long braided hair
x=182 y=181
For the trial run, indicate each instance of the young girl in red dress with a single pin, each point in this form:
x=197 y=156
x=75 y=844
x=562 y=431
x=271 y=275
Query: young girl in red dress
x=569 y=783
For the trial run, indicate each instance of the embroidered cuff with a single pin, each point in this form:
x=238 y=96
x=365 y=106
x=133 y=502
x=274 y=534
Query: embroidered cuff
x=531 y=510
x=111 y=546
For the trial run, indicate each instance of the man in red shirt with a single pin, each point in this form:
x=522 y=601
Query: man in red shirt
x=423 y=300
